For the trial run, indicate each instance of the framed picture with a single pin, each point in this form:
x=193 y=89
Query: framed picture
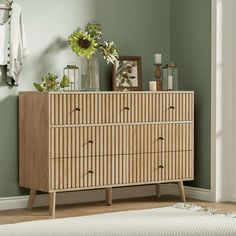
x=127 y=73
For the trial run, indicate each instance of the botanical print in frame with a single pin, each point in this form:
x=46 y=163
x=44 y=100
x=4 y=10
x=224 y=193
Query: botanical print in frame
x=127 y=73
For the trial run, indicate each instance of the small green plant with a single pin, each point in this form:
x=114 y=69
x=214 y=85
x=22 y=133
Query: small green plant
x=50 y=82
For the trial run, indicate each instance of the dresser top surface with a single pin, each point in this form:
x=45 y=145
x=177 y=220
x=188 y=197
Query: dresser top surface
x=105 y=92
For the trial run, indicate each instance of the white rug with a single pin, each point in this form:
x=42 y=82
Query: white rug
x=180 y=219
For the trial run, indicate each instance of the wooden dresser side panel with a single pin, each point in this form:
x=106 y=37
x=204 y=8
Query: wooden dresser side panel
x=192 y=135
x=34 y=140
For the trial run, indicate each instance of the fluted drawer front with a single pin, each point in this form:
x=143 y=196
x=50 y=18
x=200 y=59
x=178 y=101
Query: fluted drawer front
x=142 y=168
x=67 y=173
x=159 y=167
x=90 y=108
x=98 y=171
x=69 y=142
x=159 y=138
x=117 y=140
x=82 y=172
x=160 y=107
x=176 y=165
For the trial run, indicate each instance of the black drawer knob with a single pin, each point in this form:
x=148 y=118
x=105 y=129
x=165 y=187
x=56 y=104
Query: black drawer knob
x=161 y=138
x=91 y=172
x=172 y=107
x=91 y=141
x=127 y=108
x=77 y=109
x=161 y=166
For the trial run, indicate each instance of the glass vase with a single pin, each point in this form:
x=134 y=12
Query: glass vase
x=89 y=74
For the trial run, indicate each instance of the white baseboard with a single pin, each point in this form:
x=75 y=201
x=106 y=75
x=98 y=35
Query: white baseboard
x=233 y=199
x=191 y=192
x=99 y=195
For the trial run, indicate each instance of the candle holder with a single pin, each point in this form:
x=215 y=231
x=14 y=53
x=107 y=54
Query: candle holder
x=170 y=77
x=72 y=72
x=158 y=77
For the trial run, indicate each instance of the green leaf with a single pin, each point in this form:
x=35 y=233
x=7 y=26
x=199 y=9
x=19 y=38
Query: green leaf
x=65 y=82
x=39 y=87
x=128 y=81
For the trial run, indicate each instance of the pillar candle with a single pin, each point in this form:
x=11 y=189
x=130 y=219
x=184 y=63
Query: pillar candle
x=152 y=86
x=158 y=58
x=170 y=82
x=72 y=79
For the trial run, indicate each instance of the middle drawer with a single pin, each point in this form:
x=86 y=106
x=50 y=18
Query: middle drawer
x=119 y=139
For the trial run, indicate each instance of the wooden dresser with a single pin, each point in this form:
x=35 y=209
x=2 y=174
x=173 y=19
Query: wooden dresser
x=88 y=140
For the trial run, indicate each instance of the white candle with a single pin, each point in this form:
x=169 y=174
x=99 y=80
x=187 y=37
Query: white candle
x=152 y=86
x=158 y=58
x=72 y=79
x=170 y=82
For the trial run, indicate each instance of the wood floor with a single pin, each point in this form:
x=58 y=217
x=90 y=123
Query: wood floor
x=22 y=215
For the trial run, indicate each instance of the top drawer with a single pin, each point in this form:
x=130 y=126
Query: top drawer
x=100 y=108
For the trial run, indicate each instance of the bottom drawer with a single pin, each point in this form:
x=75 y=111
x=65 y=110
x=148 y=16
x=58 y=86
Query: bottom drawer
x=67 y=173
x=71 y=173
x=155 y=167
x=176 y=165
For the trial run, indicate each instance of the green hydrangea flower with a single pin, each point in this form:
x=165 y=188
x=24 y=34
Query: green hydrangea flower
x=83 y=44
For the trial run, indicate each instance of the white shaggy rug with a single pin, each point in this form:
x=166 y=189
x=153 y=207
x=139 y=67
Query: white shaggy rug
x=180 y=219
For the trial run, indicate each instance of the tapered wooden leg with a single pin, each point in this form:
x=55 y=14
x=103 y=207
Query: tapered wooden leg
x=181 y=191
x=52 y=203
x=31 y=199
x=158 y=194
x=109 y=196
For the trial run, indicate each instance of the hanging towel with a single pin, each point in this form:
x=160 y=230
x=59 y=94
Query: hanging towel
x=17 y=49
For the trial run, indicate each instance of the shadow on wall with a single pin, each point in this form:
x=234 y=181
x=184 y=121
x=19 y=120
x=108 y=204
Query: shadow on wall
x=3 y=76
x=47 y=60
x=105 y=71
x=49 y=56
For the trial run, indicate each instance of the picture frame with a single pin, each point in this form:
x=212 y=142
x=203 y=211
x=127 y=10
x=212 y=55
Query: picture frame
x=127 y=74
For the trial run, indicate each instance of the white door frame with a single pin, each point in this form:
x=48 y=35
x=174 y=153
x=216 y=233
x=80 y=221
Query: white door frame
x=213 y=99
x=222 y=96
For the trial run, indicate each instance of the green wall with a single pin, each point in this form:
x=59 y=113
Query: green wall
x=138 y=27
x=191 y=51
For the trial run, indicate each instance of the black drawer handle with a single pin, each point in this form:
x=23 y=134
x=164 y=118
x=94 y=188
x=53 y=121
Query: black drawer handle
x=91 y=172
x=161 y=138
x=91 y=141
x=77 y=109
x=127 y=108
x=172 y=107
x=161 y=166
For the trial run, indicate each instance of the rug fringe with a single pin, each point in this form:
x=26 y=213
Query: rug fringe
x=207 y=210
